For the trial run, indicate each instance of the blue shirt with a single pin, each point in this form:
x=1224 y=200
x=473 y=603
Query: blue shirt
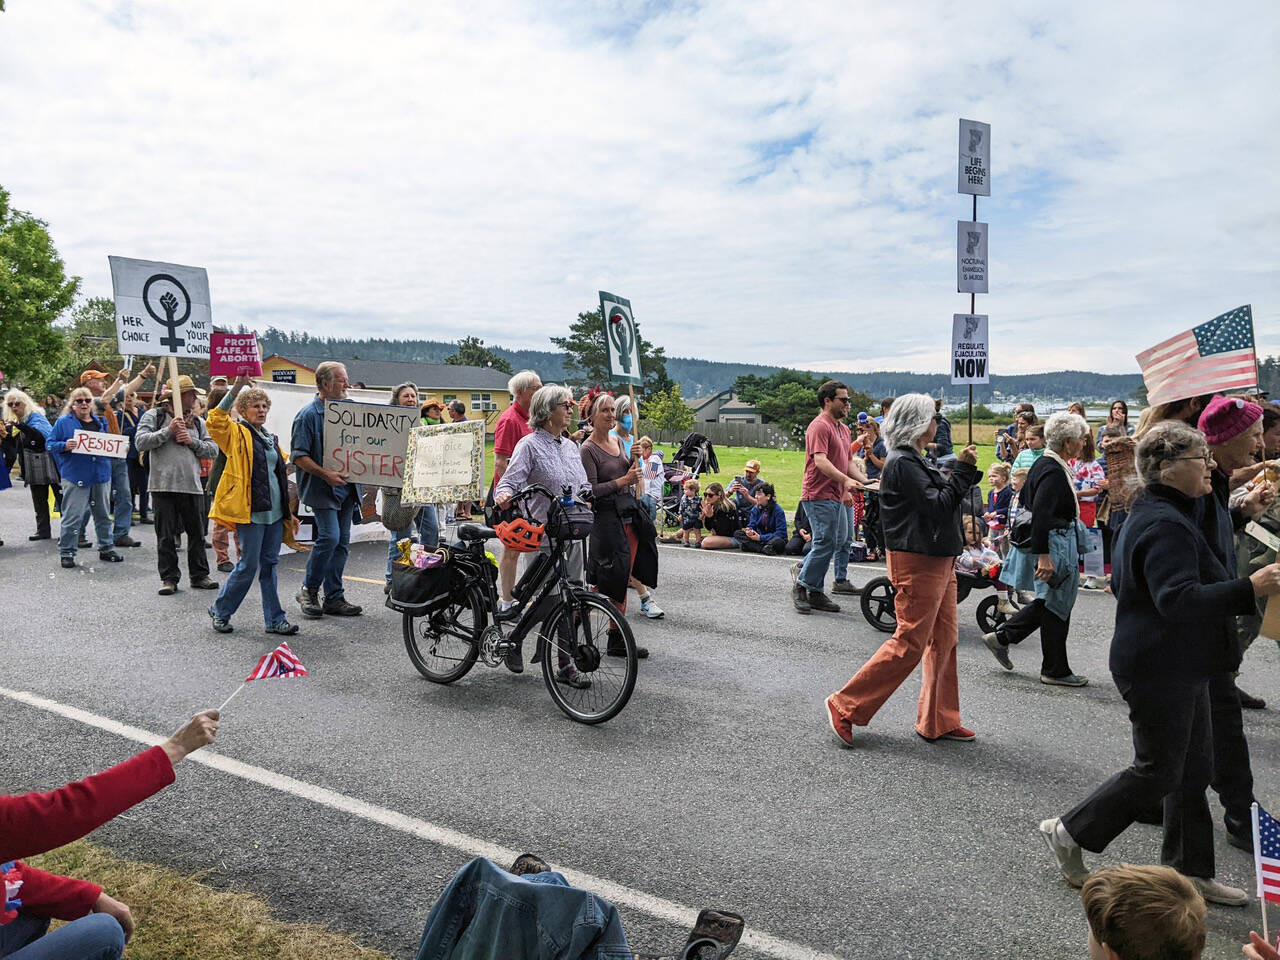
x=308 y=441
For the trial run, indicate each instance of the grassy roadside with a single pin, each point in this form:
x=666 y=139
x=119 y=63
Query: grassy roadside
x=177 y=917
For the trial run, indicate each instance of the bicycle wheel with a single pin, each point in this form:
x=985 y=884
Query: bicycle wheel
x=443 y=644
x=576 y=641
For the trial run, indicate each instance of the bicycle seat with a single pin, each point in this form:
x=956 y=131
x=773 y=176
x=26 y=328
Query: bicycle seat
x=473 y=531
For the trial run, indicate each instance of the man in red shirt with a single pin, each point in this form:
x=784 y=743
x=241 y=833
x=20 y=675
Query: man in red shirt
x=512 y=426
x=829 y=476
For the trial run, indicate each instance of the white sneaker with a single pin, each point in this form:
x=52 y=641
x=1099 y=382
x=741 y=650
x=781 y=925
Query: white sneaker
x=1216 y=892
x=795 y=572
x=1005 y=607
x=1066 y=851
x=649 y=608
x=1026 y=596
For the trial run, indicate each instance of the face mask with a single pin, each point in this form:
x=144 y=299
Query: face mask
x=626 y=421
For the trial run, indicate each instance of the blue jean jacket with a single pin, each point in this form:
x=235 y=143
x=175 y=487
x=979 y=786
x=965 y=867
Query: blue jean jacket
x=488 y=914
x=1065 y=549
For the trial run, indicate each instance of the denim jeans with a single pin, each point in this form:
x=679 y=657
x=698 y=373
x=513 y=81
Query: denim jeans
x=77 y=504
x=429 y=526
x=829 y=523
x=95 y=937
x=329 y=553
x=841 y=561
x=121 y=499
x=259 y=553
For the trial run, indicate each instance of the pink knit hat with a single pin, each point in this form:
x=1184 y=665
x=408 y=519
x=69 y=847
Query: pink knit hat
x=1227 y=417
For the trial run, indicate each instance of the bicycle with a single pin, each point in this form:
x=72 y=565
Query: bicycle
x=448 y=633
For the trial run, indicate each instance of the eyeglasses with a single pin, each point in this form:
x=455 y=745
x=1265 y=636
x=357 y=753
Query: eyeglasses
x=82 y=400
x=13 y=404
x=1207 y=458
x=567 y=404
x=841 y=399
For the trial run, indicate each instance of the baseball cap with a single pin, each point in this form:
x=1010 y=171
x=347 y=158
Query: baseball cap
x=752 y=465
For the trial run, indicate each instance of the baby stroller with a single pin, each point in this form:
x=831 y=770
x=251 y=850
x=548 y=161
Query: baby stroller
x=695 y=457
x=878 y=599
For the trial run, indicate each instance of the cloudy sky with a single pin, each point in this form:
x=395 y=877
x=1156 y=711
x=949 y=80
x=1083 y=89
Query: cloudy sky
x=769 y=181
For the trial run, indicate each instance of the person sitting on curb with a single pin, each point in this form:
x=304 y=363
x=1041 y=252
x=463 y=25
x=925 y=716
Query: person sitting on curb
x=743 y=490
x=175 y=447
x=766 y=529
x=1135 y=913
x=801 y=541
x=720 y=517
x=34 y=823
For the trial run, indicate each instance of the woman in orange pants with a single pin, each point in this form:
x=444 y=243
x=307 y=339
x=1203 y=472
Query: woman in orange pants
x=920 y=516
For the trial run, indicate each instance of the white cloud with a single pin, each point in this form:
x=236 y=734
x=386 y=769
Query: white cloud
x=767 y=182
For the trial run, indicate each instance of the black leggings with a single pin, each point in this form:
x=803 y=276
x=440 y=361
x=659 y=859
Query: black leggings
x=872 y=535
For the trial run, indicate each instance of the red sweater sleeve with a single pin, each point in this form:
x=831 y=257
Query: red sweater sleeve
x=37 y=822
x=49 y=895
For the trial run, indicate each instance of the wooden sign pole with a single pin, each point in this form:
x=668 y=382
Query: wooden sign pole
x=177 y=396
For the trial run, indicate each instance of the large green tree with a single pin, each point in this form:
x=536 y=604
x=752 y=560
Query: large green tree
x=473 y=353
x=666 y=410
x=34 y=291
x=789 y=398
x=587 y=357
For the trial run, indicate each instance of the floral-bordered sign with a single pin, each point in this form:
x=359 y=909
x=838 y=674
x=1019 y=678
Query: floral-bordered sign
x=445 y=463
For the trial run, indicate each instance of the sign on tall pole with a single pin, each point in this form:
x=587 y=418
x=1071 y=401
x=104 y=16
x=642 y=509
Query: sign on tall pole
x=621 y=339
x=162 y=308
x=969 y=341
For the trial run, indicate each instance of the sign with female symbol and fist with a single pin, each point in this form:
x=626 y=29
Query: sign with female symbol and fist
x=621 y=339
x=162 y=309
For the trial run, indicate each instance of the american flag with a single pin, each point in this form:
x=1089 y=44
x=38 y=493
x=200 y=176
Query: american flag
x=1215 y=357
x=1266 y=854
x=280 y=662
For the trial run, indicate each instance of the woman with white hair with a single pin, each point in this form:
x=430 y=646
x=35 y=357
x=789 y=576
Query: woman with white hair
x=38 y=468
x=1047 y=561
x=550 y=460
x=920 y=515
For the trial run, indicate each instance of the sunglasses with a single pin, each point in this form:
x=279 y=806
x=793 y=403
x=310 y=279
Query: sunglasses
x=82 y=400
x=567 y=404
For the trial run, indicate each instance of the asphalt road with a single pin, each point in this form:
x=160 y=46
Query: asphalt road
x=719 y=785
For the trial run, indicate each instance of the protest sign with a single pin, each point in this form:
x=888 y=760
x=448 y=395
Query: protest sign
x=969 y=348
x=367 y=441
x=621 y=338
x=95 y=444
x=974 y=173
x=162 y=309
x=445 y=463
x=284 y=376
x=971 y=256
x=234 y=355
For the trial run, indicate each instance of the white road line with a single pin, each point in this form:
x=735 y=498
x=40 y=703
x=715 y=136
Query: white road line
x=464 y=843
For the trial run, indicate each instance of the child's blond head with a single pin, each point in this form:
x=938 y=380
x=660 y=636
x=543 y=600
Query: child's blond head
x=691 y=487
x=1145 y=913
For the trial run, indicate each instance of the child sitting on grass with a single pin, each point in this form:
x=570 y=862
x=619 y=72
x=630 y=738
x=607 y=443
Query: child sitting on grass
x=691 y=515
x=1137 y=913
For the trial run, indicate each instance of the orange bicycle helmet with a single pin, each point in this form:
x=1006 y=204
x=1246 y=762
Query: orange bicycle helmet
x=520 y=534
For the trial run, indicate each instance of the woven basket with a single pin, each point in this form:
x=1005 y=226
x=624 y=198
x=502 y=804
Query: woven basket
x=1123 y=483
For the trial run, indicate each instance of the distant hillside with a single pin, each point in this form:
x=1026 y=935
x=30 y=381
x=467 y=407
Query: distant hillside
x=699 y=378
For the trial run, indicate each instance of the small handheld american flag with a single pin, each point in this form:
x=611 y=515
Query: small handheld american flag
x=1215 y=357
x=280 y=662
x=1266 y=854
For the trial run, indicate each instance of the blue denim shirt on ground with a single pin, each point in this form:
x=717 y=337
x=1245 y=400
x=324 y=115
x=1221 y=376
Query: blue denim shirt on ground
x=486 y=912
x=307 y=440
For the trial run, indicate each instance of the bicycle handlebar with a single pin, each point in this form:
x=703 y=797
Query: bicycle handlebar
x=538 y=488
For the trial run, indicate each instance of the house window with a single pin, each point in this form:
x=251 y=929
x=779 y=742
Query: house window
x=483 y=401
x=449 y=398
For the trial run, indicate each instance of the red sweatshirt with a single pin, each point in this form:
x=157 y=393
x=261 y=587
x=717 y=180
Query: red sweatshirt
x=38 y=822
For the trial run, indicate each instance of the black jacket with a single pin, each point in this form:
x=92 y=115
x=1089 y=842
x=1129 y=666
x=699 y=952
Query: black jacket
x=1174 y=596
x=609 y=560
x=1049 y=496
x=919 y=508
